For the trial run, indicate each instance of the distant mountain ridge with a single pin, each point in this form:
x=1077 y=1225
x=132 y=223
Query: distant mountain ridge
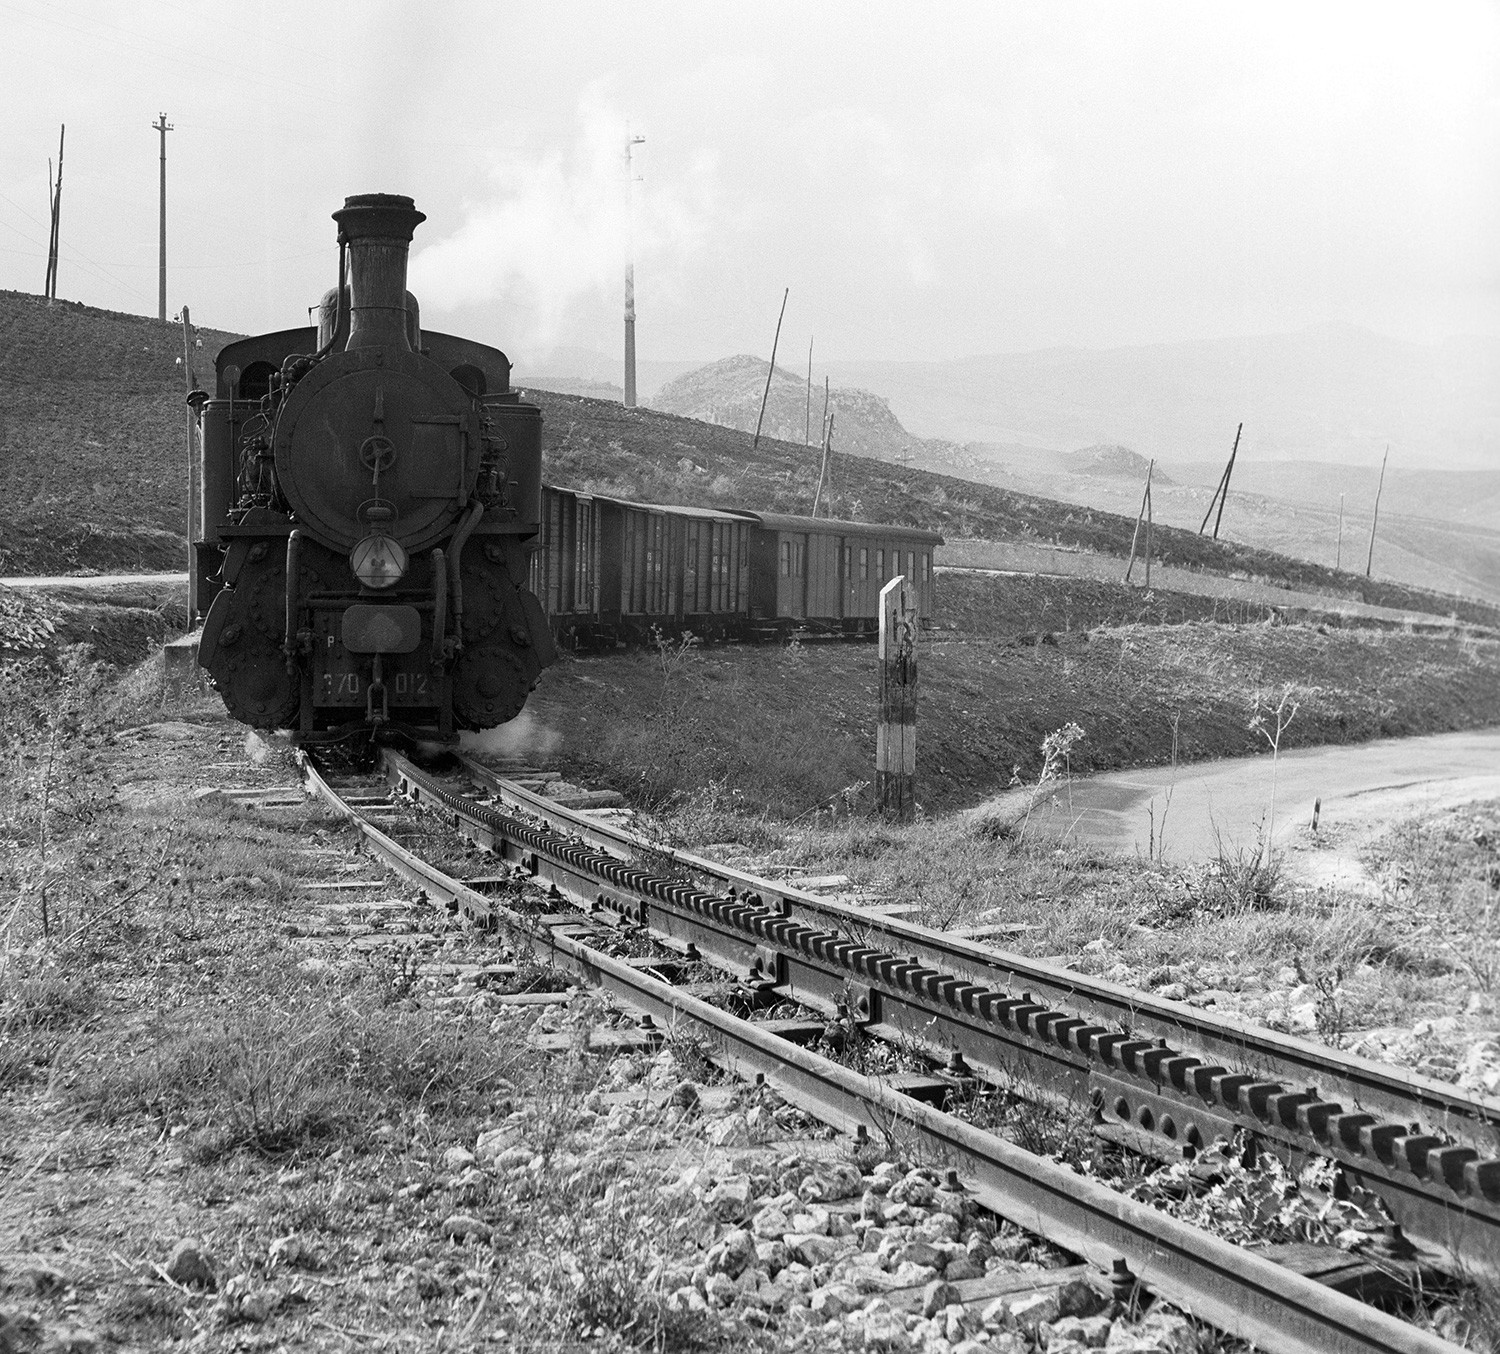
x=729 y=392
x=1438 y=529
x=1332 y=393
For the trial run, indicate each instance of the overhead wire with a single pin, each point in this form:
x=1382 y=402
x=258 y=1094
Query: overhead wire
x=77 y=258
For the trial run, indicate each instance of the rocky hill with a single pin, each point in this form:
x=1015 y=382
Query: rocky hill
x=1112 y=461
x=729 y=393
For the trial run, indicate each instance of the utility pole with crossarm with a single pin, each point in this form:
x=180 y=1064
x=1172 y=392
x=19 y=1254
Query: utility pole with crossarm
x=630 y=143
x=163 y=126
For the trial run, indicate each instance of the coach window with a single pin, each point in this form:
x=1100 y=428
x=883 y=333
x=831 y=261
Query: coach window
x=848 y=560
x=880 y=565
x=786 y=559
x=801 y=566
x=926 y=565
x=864 y=562
x=911 y=564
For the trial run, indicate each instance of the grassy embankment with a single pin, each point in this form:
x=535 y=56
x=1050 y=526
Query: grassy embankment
x=789 y=728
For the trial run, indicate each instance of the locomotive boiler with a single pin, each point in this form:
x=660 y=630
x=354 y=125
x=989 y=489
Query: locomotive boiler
x=370 y=493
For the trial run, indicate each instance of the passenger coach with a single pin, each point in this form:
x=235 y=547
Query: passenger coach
x=829 y=573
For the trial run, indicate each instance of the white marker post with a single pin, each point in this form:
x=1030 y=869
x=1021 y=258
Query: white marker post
x=896 y=734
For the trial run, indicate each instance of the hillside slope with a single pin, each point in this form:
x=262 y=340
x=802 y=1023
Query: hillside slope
x=1437 y=529
x=93 y=439
x=665 y=458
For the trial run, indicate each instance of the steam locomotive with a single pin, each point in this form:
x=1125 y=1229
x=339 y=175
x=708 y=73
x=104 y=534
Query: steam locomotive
x=369 y=494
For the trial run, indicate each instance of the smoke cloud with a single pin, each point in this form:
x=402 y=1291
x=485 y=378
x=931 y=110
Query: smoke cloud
x=524 y=736
x=557 y=228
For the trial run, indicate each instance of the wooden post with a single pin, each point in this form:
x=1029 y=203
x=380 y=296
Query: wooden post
x=770 y=371
x=896 y=734
x=56 y=194
x=1228 y=472
x=1140 y=515
x=1223 y=487
x=807 y=417
x=1375 y=517
x=190 y=377
x=1149 y=469
x=823 y=468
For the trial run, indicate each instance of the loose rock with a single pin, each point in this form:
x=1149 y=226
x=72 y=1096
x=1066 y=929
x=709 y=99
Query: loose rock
x=189 y=1265
x=729 y=1199
x=461 y=1227
x=1035 y=1309
x=1080 y=1299
x=732 y=1254
x=836 y=1300
x=732 y=1131
x=771 y=1224
x=937 y=1295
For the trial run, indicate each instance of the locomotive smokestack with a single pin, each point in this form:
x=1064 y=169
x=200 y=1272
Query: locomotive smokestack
x=378 y=228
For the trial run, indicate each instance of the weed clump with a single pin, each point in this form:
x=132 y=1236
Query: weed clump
x=299 y=1075
x=1257 y=1199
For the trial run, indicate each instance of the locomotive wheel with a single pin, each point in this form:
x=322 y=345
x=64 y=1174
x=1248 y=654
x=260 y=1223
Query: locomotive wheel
x=490 y=685
x=253 y=680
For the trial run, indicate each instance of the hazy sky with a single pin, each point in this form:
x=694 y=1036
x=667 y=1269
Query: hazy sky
x=929 y=180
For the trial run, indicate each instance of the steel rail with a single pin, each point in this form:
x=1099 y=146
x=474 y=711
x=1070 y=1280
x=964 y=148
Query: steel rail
x=1156 y=1097
x=1372 y=1087
x=1235 y=1290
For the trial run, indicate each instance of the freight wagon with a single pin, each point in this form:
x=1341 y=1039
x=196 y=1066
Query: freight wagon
x=608 y=570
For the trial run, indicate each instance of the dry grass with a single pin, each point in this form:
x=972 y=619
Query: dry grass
x=793 y=733
x=288 y=1068
x=1237 y=927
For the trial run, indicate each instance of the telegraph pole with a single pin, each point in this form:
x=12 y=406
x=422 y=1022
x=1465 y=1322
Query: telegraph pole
x=1375 y=516
x=807 y=419
x=163 y=126
x=50 y=290
x=630 y=143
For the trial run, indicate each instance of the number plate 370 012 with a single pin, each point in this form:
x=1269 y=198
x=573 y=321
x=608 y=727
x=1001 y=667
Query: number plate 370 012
x=343 y=678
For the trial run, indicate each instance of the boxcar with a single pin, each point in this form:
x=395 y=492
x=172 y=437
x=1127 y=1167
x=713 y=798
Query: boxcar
x=607 y=569
x=828 y=574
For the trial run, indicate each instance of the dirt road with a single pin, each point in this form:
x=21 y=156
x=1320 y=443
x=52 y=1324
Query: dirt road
x=90 y=580
x=1192 y=809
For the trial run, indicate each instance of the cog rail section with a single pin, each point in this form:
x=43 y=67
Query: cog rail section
x=1164 y=1078
x=1235 y=1290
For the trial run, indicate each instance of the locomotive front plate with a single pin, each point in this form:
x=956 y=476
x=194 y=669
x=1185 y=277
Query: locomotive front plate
x=342 y=677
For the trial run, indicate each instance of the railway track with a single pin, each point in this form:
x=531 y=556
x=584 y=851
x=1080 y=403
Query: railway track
x=877 y=971
x=1164 y=1078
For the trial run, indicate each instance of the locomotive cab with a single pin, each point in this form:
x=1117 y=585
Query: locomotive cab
x=370 y=495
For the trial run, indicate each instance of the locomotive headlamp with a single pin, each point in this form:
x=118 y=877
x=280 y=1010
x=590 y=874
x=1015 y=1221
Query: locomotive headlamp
x=378 y=561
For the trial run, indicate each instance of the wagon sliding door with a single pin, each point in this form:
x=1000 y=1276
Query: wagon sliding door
x=585 y=557
x=791 y=575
